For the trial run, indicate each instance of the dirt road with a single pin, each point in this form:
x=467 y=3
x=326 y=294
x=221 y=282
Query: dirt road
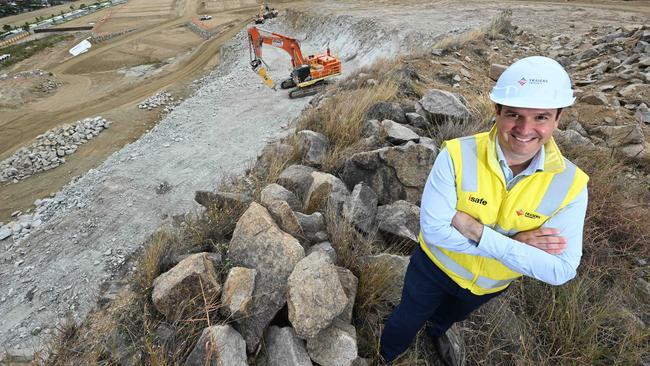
x=106 y=215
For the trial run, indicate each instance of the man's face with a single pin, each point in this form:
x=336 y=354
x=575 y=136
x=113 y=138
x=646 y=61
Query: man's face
x=523 y=131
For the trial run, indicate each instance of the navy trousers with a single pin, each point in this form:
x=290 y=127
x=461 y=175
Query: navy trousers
x=428 y=295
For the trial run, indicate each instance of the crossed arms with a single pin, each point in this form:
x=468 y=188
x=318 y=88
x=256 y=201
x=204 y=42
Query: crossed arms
x=550 y=254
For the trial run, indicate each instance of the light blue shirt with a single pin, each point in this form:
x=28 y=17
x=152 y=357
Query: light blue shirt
x=438 y=207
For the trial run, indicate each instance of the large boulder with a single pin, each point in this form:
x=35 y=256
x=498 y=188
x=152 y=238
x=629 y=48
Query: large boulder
x=284 y=348
x=387 y=272
x=361 y=208
x=287 y=220
x=313 y=226
x=336 y=345
x=398 y=134
x=313 y=147
x=315 y=295
x=386 y=110
x=439 y=105
x=259 y=244
x=570 y=137
x=276 y=192
x=237 y=295
x=219 y=199
x=218 y=345
x=616 y=136
x=394 y=173
x=325 y=191
x=296 y=178
x=400 y=218
x=184 y=286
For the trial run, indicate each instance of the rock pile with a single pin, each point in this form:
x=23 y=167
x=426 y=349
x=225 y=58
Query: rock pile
x=161 y=99
x=49 y=149
x=280 y=254
x=25 y=74
x=50 y=85
x=610 y=68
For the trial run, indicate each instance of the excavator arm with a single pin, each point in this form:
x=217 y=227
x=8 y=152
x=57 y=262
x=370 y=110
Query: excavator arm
x=258 y=37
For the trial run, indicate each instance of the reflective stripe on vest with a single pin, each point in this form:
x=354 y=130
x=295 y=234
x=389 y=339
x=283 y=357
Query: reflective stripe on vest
x=483 y=195
x=484 y=282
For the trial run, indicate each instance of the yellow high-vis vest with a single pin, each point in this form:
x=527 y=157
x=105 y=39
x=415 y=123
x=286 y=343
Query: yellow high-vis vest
x=481 y=192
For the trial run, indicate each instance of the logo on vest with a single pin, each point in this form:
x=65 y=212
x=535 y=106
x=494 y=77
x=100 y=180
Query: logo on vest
x=527 y=214
x=478 y=200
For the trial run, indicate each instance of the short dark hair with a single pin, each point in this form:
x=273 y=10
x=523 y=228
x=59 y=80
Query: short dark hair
x=557 y=115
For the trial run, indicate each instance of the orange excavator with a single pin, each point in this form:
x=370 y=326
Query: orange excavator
x=309 y=75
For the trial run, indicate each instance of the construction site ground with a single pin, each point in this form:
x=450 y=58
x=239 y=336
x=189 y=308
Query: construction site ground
x=111 y=202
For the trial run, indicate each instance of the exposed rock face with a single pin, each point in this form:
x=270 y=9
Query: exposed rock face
x=284 y=348
x=326 y=190
x=259 y=244
x=361 y=208
x=315 y=295
x=296 y=178
x=439 y=105
x=237 y=295
x=386 y=110
x=218 y=345
x=394 y=173
x=398 y=134
x=334 y=346
x=186 y=283
x=276 y=192
x=313 y=146
x=376 y=265
x=400 y=218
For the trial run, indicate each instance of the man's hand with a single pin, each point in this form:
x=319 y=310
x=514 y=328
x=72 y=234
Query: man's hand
x=468 y=226
x=545 y=238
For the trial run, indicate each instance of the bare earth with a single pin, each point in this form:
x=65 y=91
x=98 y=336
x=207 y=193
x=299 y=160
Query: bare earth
x=106 y=215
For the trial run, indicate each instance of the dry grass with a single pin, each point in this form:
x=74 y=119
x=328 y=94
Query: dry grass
x=500 y=25
x=341 y=119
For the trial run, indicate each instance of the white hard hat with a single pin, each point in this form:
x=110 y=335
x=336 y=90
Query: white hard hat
x=534 y=82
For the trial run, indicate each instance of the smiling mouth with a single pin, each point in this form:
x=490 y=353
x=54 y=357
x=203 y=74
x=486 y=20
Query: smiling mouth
x=529 y=139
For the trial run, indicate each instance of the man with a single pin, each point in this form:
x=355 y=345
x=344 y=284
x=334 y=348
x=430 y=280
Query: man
x=496 y=205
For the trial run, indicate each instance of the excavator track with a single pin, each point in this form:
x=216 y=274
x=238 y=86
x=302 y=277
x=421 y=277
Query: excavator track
x=307 y=91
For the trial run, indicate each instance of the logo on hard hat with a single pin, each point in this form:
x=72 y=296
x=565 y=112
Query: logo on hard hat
x=522 y=82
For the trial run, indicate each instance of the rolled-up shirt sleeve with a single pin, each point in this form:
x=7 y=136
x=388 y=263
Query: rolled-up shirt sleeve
x=438 y=207
x=536 y=263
